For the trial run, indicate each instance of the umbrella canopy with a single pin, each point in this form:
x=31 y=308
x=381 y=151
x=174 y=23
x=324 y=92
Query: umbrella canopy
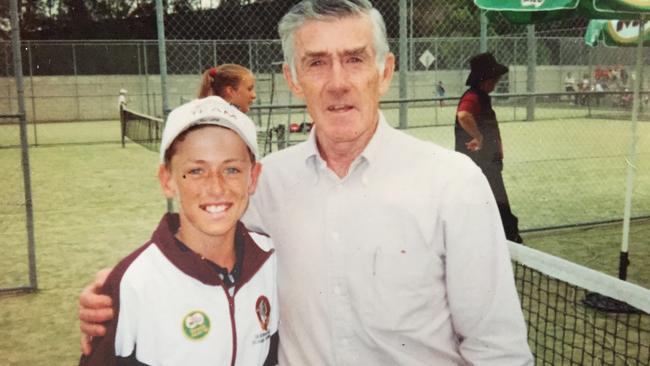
x=616 y=33
x=540 y=11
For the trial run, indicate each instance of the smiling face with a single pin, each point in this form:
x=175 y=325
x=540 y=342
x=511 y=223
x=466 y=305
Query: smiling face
x=212 y=176
x=337 y=76
x=244 y=95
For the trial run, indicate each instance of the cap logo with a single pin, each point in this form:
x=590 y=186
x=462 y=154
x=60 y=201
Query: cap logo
x=196 y=325
x=212 y=108
x=263 y=311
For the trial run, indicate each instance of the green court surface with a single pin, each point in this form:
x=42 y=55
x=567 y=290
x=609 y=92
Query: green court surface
x=94 y=202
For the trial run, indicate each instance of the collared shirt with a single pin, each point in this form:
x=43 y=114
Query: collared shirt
x=401 y=262
x=173 y=308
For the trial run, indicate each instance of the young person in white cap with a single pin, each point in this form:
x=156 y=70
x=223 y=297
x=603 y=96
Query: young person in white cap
x=202 y=290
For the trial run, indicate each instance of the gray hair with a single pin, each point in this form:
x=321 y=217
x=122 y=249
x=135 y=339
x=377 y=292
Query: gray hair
x=327 y=9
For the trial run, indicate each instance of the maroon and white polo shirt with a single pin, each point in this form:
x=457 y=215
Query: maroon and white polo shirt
x=172 y=307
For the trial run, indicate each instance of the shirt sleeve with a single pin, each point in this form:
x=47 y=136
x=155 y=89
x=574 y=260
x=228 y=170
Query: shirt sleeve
x=483 y=301
x=103 y=348
x=253 y=218
x=118 y=346
x=469 y=103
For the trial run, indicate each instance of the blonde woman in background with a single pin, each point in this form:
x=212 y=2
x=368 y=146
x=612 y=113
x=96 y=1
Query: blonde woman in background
x=234 y=83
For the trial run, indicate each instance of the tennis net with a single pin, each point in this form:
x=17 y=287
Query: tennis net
x=142 y=129
x=578 y=316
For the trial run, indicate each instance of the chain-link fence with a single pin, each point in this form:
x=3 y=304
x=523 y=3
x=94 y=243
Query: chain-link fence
x=555 y=175
x=79 y=81
x=75 y=81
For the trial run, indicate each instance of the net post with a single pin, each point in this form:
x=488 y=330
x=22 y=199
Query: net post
x=122 y=125
x=623 y=262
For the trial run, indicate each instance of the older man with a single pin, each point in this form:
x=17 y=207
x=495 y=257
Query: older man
x=390 y=249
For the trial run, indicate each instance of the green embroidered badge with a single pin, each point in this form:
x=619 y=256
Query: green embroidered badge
x=196 y=325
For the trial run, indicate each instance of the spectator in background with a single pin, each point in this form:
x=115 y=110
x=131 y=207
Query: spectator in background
x=600 y=73
x=569 y=85
x=232 y=82
x=440 y=90
x=585 y=86
x=624 y=77
x=477 y=133
x=121 y=99
x=599 y=87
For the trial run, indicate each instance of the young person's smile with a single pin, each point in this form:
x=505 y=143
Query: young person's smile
x=212 y=176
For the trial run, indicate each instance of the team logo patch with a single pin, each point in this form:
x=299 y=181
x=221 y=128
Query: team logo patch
x=263 y=311
x=196 y=325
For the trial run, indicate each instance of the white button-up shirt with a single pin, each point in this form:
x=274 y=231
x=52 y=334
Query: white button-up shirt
x=401 y=262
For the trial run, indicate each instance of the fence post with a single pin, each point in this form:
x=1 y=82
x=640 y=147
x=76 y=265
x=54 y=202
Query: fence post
x=484 y=25
x=162 y=57
x=532 y=62
x=250 y=55
x=31 y=85
x=199 y=70
x=7 y=68
x=146 y=74
x=403 y=64
x=411 y=40
x=76 y=81
x=590 y=71
x=140 y=68
x=18 y=73
x=214 y=53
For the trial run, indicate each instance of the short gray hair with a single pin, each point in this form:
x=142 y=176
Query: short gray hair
x=324 y=9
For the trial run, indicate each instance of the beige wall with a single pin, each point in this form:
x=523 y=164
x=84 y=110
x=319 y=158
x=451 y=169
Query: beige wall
x=70 y=98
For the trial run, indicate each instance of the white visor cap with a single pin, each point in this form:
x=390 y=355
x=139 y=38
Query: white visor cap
x=208 y=111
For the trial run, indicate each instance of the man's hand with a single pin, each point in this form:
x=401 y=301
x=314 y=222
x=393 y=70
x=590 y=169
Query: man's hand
x=475 y=144
x=468 y=123
x=94 y=309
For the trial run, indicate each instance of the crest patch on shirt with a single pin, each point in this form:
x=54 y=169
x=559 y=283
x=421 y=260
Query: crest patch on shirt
x=196 y=325
x=263 y=311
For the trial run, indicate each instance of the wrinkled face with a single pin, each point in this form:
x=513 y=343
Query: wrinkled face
x=244 y=95
x=337 y=76
x=212 y=176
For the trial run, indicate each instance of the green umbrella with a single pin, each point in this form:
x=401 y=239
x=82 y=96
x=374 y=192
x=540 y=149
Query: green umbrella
x=538 y=11
x=616 y=33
